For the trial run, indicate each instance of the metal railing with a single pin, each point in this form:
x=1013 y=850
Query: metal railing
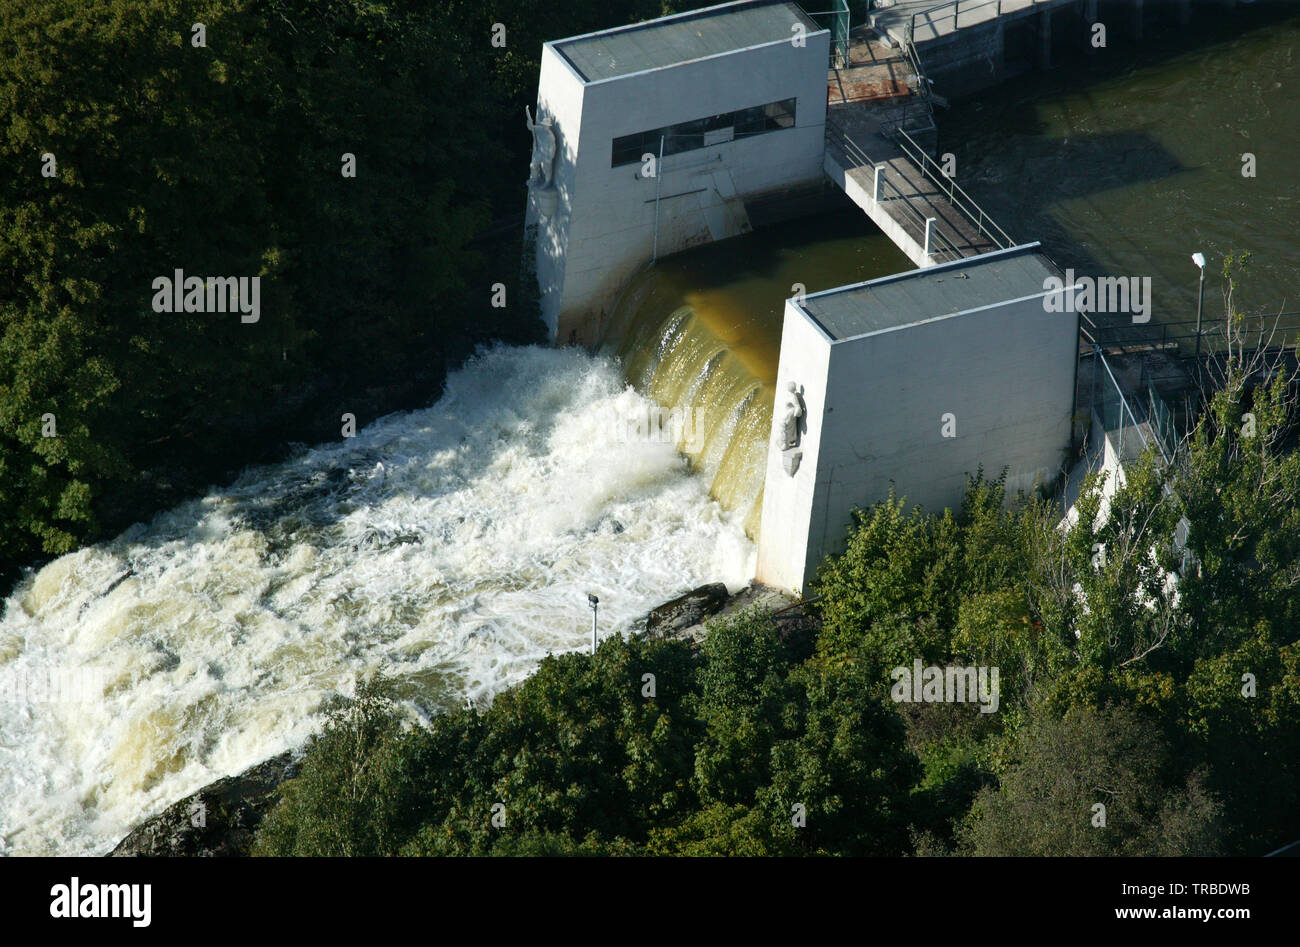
x=1152 y=409
x=922 y=83
x=839 y=28
x=942 y=249
x=1159 y=416
x=1117 y=414
x=958 y=7
x=957 y=197
x=1270 y=331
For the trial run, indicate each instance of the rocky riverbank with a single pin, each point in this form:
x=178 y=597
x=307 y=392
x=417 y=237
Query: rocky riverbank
x=220 y=819
x=686 y=616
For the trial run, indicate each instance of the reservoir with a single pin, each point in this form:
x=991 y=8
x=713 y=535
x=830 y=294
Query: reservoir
x=1127 y=161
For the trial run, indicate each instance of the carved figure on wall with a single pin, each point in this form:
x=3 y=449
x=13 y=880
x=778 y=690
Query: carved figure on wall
x=542 y=167
x=791 y=415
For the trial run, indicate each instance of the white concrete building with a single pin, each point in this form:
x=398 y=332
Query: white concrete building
x=736 y=93
x=915 y=380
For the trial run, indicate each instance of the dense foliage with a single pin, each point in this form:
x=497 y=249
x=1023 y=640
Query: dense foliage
x=1137 y=715
x=224 y=159
x=1159 y=681
x=713 y=754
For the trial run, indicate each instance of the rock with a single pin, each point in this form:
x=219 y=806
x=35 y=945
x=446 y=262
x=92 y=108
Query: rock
x=755 y=595
x=671 y=619
x=685 y=617
x=228 y=813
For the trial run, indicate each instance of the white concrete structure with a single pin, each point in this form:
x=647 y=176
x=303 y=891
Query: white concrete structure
x=737 y=92
x=916 y=380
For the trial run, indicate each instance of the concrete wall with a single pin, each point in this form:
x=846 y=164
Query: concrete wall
x=1007 y=374
x=602 y=230
x=977 y=57
x=788 y=501
x=967 y=62
x=560 y=93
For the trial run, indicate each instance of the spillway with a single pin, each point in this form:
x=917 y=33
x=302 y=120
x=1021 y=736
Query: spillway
x=700 y=333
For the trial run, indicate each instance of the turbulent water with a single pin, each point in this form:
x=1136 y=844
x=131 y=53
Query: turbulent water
x=701 y=334
x=451 y=548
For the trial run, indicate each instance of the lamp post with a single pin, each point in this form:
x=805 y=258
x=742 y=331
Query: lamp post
x=594 y=603
x=1199 y=260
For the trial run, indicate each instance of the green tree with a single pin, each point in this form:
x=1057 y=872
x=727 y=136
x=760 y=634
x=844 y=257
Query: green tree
x=845 y=763
x=745 y=702
x=359 y=788
x=223 y=159
x=1064 y=769
x=151 y=143
x=719 y=830
x=578 y=752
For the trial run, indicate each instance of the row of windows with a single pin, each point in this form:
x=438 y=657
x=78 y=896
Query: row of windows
x=704 y=132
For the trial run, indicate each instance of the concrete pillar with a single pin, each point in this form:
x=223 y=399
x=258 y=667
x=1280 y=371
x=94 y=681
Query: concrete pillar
x=875 y=187
x=1045 y=39
x=929 y=229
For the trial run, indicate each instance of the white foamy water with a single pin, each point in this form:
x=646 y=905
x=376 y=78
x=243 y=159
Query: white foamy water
x=451 y=548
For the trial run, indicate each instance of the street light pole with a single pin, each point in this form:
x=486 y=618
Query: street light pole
x=1199 y=260
x=594 y=602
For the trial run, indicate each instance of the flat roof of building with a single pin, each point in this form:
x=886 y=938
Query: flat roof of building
x=672 y=40
x=931 y=292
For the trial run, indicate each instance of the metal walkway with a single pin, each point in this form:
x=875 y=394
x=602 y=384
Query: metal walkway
x=904 y=191
x=922 y=21
x=879 y=112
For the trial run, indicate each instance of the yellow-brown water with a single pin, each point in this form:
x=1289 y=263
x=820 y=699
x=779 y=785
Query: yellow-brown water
x=700 y=333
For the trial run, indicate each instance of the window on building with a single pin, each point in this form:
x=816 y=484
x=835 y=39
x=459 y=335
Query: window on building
x=704 y=132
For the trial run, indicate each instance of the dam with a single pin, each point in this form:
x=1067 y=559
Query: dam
x=452 y=546
x=659 y=136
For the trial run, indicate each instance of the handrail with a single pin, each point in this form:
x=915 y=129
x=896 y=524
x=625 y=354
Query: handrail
x=911 y=26
x=1124 y=405
x=977 y=216
x=840 y=27
x=1085 y=318
x=914 y=60
x=942 y=248
x=1169 y=333
x=1156 y=412
x=1159 y=414
x=948 y=250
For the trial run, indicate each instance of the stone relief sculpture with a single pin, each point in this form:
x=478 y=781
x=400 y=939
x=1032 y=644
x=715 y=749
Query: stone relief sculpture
x=792 y=415
x=542 y=167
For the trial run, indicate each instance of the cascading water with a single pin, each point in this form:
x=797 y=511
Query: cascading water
x=701 y=334
x=722 y=409
x=450 y=548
